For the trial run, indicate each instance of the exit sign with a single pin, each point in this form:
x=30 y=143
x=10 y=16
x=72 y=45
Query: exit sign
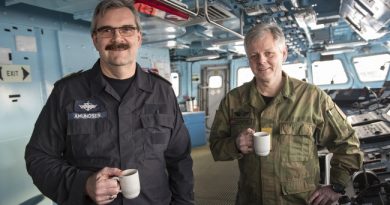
x=15 y=73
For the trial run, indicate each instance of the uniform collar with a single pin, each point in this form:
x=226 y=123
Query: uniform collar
x=142 y=80
x=254 y=96
x=287 y=92
x=288 y=87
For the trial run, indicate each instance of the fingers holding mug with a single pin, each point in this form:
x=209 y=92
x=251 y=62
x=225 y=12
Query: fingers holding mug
x=244 y=141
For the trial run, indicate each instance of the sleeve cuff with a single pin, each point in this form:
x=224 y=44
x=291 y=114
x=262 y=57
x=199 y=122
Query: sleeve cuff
x=78 y=193
x=236 y=154
x=339 y=177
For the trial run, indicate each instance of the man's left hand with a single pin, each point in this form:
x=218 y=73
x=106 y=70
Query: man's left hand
x=324 y=196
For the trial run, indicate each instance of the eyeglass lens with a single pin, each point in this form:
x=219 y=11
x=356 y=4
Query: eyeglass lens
x=107 y=31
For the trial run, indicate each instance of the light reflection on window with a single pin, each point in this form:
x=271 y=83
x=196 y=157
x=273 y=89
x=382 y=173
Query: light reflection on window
x=296 y=70
x=244 y=75
x=175 y=82
x=215 y=81
x=372 y=68
x=329 y=72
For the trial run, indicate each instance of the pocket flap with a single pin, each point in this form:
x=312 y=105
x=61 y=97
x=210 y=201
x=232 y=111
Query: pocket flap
x=298 y=128
x=76 y=127
x=297 y=186
x=157 y=120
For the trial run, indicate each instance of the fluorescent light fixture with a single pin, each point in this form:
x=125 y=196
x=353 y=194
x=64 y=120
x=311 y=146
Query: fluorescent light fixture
x=239 y=49
x=347 y=44
x=171 y=43
x=337 y=51
x=203 y=57
x=213 y=48
x=170 y=29
x=175 y=44
x=229 y=41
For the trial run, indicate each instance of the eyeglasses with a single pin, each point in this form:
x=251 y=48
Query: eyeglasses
x=109 y=32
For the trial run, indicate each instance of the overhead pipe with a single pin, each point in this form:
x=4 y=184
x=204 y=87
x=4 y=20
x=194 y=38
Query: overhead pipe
x=300 y=16
x=294 y=3
x=308 y=36
x=206 y=15
x=241 y=21
x=182 y=9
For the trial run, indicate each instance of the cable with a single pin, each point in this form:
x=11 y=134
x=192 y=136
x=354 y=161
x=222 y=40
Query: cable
x=375 y=95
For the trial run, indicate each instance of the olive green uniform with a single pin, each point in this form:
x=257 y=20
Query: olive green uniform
x=301 y=117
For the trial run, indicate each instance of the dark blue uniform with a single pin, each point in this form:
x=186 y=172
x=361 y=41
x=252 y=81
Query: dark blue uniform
x=86 y=126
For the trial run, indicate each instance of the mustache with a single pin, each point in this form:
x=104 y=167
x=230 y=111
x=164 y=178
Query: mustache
x=117 y=46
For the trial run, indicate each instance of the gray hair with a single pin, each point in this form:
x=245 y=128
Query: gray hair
x=259 y=30
x=106 y=5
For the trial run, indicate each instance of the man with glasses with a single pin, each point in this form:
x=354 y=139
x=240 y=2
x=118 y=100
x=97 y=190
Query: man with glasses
x=110 y=118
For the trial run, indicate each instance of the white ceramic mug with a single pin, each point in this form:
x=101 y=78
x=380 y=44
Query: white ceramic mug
x=262 y=143
x=129 y=183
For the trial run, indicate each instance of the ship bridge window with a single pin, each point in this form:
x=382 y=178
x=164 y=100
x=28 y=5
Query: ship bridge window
x=175 y=82
x=329 y=72
x=296 y=70
x=371 y=68
x=215 y=81
x=244 y=75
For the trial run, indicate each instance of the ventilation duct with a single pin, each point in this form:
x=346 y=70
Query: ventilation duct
x=216 y=12
x=337 y=51
x=205 y=56
x=305 y=19
x=369 y=18
x=346 y=45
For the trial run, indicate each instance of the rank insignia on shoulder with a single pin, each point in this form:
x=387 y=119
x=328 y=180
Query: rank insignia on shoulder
x=155 y=72
x=70 y=75
x=73 y=74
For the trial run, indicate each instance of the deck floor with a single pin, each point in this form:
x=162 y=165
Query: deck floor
x=215 y=182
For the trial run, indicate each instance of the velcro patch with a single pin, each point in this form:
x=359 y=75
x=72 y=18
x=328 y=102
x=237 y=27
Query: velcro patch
x=85 y=116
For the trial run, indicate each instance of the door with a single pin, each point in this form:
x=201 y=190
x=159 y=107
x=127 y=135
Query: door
x=214 y=86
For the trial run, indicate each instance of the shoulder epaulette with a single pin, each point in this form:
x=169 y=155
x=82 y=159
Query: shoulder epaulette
x=159 y=76
x=70 y=75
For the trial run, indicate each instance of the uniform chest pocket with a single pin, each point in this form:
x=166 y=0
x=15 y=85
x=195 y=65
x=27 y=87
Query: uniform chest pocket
x=239 y=124
x=87 y=138
x=297 y=141
x=158 y=128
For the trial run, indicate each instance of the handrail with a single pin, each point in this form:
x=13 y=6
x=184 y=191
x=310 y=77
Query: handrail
x=206 y=15
x=180 y=8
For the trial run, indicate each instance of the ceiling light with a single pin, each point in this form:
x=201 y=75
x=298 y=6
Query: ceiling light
x=239 y=49
x=337 y=51
x=203 y=57
x=170 y=29
x=347 y=44
x=228 y=41
x=171 y=43
x=213 y=48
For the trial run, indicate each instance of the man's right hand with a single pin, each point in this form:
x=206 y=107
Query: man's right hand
x=101 y=188
x=244 y=141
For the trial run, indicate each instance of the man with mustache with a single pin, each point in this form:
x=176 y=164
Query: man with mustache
x=110 y=118
x=299 y=116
